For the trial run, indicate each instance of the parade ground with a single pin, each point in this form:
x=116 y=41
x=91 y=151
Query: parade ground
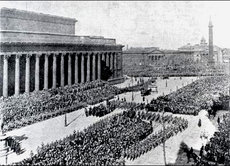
x=54 y=129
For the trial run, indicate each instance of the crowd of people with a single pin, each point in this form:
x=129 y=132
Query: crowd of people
x=27 y=109
x=103 y=143
x=191 y=98
x=37 y=106
x=100 y=110
x=141 y=84
x=217 y=150
x=110 y=140
x=172 y=65
x=187 y=100
x=110 y=106
x=172 y=125
x=13 y=145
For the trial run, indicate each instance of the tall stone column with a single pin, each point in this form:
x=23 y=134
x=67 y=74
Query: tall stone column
x=76 y=69
x=94 y=67
x=121 y=57
x=88 y=68
x=62 y=71
x=210 y=44
x=82 y=68
x=119 y=65
x=103 y=56
x=99 y=66
x=5 y=75
x=69 y=70
x=107 y=59
x=54 y=81
x=27 y=79
x=111 y=64
x=37 y=70
x=115 y=66
x=17 y=75
x=46 y=71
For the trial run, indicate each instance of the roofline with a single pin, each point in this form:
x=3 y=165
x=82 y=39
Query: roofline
x=35 y=43
x=36 y=13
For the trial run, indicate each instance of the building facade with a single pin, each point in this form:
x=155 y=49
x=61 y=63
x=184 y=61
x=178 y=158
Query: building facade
x=205 y=51
x=201 y=52
x=41 y=51
x=152 y=56
x=141 y=55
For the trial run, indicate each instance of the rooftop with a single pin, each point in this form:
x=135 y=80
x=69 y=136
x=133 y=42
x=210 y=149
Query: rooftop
x=23 y=14
x=36 y=28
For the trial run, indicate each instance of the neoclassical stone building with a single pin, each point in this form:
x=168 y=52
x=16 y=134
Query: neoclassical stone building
x=41 y=51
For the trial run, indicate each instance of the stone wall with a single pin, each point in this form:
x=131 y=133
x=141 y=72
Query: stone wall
x=18 y=20
x=7 y=36
x=41 y=47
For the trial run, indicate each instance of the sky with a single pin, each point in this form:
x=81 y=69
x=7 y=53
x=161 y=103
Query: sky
x=164 y=24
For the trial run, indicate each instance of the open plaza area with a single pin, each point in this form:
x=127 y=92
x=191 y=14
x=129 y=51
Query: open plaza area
x=54 y=129
x=114 y=83
x=33 y=136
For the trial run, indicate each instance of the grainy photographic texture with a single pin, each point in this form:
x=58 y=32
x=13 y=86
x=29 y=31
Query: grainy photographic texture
x=114 y=83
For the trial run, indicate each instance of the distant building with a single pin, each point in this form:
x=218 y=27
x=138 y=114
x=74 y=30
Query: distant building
x=205 y=51
x=138 y=55
x=201 y=51
x=226 y=54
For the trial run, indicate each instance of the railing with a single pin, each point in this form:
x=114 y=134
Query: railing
x=38 y=37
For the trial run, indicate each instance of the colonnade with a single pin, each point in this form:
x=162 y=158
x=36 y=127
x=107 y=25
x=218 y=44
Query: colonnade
x=155 y=57
x=92 y=73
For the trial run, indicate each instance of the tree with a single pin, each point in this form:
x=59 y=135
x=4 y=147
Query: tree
x=199 y=123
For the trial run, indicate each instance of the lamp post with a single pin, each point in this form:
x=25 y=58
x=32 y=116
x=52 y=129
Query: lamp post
x=132 y=90
x=3 y=146
x=65 y=120
x=163 y=126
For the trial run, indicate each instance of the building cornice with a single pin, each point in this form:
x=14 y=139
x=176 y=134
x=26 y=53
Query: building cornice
x=29 y=15
x=57 y=52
